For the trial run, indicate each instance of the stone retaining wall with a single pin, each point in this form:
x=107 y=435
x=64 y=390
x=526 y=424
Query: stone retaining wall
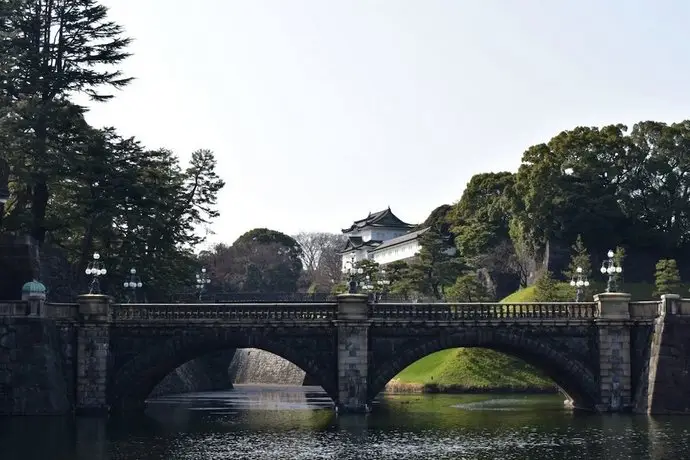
x=36 y=367
x=207 y=373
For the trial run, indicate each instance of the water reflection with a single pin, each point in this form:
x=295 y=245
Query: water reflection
x=297 y=423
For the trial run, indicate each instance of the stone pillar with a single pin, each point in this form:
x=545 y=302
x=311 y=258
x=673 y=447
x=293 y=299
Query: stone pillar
x=36 y=302
x=615 y=382
x=93 y=345
x=670 y=305
x=353 y=351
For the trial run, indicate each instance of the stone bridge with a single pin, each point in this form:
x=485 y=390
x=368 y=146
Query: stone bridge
x=97 y=356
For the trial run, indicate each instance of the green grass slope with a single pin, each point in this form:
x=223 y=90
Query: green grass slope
x=475 y=368
x=637 y=291
x=482 y=369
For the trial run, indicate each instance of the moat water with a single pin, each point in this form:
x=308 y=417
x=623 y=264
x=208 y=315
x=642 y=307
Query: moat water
x=276 y=422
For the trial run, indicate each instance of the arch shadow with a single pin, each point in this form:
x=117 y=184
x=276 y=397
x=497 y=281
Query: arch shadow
x=570 y=375
x=136 y=379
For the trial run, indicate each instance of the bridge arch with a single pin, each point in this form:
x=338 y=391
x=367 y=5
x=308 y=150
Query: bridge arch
x=569 y=373
x=134 y=380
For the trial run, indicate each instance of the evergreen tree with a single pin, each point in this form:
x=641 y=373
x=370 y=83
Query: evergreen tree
x=468 y=288
x=667 y=278
x=437 y=264
x=546 y=289
x=579 y=257
x=370 y=269
x=260 y=260
x=48 y=51
x=398 y=274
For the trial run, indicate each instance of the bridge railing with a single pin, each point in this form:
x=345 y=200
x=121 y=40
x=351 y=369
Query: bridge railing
x=225 y=312
x=644 y=309
x=249 y=297
x=484 y=311
x=14 y=308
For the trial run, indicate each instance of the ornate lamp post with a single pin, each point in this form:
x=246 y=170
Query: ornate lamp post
x=95 y=268
x=610 y=268
x=202 y=280
x=579 y=282
x=352 y=273
x=134 y=283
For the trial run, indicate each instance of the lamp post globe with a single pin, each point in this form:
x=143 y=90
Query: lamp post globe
x=354 y=274
x=610 y=268
x=95 y=269
x=579 y=282
x=202 y=281
x=133 y=284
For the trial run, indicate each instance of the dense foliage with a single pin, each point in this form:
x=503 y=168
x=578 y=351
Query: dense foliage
x=667 y=278
x=572 y=199
x=259 y=261
x=78 y=189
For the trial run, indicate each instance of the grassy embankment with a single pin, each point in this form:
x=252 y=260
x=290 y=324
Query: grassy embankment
x=483 y=370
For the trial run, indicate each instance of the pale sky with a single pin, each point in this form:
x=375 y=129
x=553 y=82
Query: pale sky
x=320 y=111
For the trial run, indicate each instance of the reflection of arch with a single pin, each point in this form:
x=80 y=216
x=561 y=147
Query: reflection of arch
x=135 y=380
x=574 y=379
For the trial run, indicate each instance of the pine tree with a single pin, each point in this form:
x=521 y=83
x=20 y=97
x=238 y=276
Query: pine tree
x=667 y=278
x=579 y=257
x=468 y=288
x=437 y=264
x=398 y=274
x=546 y=289
x=48 y=51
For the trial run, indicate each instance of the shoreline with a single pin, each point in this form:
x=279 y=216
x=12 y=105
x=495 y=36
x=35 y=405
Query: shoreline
x=397 y=387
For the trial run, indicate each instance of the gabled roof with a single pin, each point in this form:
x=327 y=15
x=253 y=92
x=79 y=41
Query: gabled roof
x=401 y=239
x=356 y=242
x=384 y=218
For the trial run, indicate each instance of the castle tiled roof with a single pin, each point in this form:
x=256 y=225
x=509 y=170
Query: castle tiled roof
x=356 y=242
x=384 y=218
x=401 y=239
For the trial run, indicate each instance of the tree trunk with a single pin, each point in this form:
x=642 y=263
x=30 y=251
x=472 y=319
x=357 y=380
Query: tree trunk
x=39 y=195
x=39 y=204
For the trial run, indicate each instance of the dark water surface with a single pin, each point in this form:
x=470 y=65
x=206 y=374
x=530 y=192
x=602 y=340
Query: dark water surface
x=293 y=423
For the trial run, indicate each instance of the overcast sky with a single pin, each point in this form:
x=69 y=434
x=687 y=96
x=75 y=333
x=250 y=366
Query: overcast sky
x=321 y=111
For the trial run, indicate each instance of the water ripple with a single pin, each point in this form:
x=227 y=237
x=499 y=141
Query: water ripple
x=298 y=423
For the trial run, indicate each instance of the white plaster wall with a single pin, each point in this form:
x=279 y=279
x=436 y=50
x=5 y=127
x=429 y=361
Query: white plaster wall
x=380 y=234
x=347 y=257
x=397 y=252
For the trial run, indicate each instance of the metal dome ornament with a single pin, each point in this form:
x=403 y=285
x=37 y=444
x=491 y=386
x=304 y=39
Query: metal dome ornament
x=33 y=289
x=96 y=269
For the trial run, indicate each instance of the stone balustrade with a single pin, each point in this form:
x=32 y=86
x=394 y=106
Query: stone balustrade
x=484 y=311
x=15 y=308
x=225 y=312
x=279 y=311
x=647 y=309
